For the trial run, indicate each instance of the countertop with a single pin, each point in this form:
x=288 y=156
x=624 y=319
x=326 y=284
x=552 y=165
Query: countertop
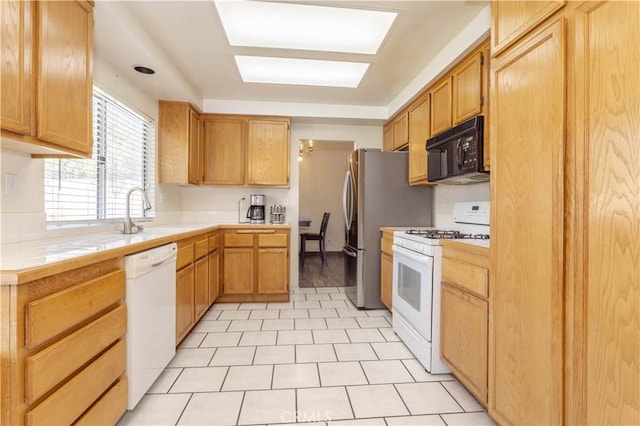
x=24 y=261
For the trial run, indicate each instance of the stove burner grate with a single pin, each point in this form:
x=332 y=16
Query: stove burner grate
x=439 y=234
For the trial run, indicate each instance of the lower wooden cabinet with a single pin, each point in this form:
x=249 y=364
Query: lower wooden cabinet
x=201 y=287
x=464 y=326
x=386 y=268
x=184 y=302
x=214 y=271
x=255 y=265
x=63 y=347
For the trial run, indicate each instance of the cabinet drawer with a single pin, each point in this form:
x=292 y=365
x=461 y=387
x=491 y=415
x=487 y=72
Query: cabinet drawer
x=52 y=315
x=213 y=242
x=66 y=404
x=273 y=240
x=52 y=365
x=470 y=277
x=108 y=409
x=185 y=255
x=201 y=248
x=238 y=240
x=385 y=245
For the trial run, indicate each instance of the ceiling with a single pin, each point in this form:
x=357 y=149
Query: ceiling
x=185 y=43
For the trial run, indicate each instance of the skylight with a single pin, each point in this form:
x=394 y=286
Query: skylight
x=259 y=69
x=304 y=27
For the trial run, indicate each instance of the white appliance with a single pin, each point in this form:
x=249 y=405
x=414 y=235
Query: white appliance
x=417 y=272
x=151 y=316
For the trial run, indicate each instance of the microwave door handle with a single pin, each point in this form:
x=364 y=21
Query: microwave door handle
x=459 y=154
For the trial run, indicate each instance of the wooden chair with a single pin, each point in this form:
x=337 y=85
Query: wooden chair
x=310 y=236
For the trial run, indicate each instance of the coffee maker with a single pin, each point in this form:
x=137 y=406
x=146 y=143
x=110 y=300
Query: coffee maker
x=256 y=211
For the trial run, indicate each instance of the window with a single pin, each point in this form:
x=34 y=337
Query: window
x=123 y=158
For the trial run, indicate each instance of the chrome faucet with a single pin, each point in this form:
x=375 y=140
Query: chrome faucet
x=129 y=226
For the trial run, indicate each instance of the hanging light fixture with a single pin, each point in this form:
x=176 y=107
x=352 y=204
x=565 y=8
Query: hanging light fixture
x=304 y=147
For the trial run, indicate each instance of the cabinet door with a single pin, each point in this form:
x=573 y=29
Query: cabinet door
x=467 y=89
x=268 y=153
x=418 y=135
x=510 y=20
x=224 y=151
x=386 y=278
x=606 y=216
x=273 y=271
x=201 y=287
x=387 y=137
x=441 y=97
x=184 y=302
x=195 y=148
x=16 y=84
x=65 y=81
x=464 y=338
x=401 y=130
x=527 y=135
x=214 y=276
x=238 y=270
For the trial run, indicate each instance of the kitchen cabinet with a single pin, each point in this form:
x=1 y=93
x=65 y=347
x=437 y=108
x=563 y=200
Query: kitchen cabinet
x=386 y=268
x=192 y=283
x=214 y=268
x=418 y=135
x=401 y=130
x=460 y=94
x=255 y=265
x=441 y=105
x=268 y=150
x=565 y=298
x=246 y=150
x=179 y=143
x=510 y=20
x=387 y=136
x=63 y=347
x=47 y=82
x=467 y=88
x=224 y=150
x=464 y=343
x=527 y=293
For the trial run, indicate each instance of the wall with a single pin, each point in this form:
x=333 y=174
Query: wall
x=321 y=181
x=445 y=196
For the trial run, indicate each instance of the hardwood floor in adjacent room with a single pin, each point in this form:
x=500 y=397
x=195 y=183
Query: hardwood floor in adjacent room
x=316 y=274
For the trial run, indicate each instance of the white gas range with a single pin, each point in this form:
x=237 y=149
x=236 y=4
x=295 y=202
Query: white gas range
x=417 y=271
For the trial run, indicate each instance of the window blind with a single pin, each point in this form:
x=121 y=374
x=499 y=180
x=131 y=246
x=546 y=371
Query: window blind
x=123 y=158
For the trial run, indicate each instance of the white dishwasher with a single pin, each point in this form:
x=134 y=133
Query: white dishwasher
x=151 y=316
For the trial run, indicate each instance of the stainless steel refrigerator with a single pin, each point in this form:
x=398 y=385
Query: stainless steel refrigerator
x=376 y=193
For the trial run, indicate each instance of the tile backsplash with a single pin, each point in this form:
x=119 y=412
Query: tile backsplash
x=445 y=196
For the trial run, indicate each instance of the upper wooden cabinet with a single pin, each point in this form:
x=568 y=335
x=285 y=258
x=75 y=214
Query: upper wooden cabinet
x=441 y=105
x=224 y=150
x=467 y=88
x=268 y=150
x=418 y=135
x=179 y=143
x=387 y=136
x=401 y=130
x=513 y=19
x=47 y=82
x=246 y=151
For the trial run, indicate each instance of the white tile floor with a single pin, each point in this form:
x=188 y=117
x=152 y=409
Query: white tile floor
x=315 y=360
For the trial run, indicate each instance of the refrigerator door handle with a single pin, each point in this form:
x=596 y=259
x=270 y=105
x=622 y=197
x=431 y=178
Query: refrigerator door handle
x=345 y=188
x=349 y=252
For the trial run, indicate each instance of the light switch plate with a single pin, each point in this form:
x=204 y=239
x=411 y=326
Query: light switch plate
x=10 y=184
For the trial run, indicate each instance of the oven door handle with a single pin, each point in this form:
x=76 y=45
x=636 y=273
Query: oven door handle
x=422 y=258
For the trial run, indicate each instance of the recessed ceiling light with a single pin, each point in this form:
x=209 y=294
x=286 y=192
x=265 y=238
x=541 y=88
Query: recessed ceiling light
x=143 y=70
x=305 y=27
x=307 y=72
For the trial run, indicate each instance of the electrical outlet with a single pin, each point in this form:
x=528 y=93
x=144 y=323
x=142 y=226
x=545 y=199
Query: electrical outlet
x=285 y=201
x=10 y=184
x=446 y=200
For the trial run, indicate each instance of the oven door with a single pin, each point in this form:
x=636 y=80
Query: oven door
x=413 y=288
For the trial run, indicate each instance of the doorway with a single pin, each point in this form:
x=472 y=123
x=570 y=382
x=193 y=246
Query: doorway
x=322 y=167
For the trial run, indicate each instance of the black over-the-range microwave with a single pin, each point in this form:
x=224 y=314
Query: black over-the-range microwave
x=456 y=156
